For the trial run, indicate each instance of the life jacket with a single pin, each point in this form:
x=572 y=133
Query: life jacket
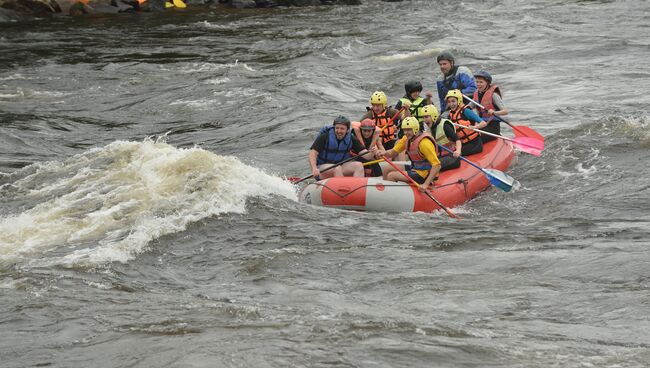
x=386 y=125
x=416 y=108
x=441 y=137
x=465 y=135
x=335 y=151
x=418 y=161
x=372 y=140
x=485 y=99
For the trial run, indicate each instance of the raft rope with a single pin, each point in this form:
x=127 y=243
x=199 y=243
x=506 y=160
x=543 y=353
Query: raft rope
x=460 y=181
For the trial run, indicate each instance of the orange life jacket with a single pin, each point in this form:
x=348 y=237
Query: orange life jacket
x=465 y=135
x=386 y=124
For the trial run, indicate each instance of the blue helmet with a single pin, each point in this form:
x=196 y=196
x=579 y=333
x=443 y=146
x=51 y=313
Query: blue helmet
x=485 y=75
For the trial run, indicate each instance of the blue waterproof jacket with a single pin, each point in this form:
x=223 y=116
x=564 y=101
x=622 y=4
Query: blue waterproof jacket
x=461 y=78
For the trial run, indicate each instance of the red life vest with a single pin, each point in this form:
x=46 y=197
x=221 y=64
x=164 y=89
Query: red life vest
x=465 y=135
x=418 y=161
x=373 y=142
x=487 y=102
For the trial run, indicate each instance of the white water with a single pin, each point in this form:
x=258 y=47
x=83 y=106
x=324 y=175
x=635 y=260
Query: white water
x=109 y=203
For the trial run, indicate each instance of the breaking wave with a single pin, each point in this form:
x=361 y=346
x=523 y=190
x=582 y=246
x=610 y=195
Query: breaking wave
x=109 y=203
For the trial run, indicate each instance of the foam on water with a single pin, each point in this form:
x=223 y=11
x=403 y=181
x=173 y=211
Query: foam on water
x=636 y=127
x=410 y=56
x=211 y=67
x=108 y=203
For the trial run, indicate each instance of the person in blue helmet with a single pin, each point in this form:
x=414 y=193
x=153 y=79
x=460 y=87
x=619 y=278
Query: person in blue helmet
x=453 y=77
x=489 y=95
x=333 y=145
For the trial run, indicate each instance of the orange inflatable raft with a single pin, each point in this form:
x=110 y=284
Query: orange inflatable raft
x=454 y=187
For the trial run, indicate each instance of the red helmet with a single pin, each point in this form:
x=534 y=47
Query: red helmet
x=367 y=124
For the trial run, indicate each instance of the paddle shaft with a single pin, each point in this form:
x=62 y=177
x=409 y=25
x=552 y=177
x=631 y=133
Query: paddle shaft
x=497 y=178
x=496 y=116
x=461 y=157
x=451 y=214
x=496 y=136
x=368 y=163
x=329 y=168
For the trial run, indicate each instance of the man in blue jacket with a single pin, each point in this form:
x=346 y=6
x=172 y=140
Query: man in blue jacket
x=453 y=77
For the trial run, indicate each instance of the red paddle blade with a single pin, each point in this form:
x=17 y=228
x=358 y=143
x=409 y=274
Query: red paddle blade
x=529 y=145
x=524 y=131
x=292 y=179
x=529 y=142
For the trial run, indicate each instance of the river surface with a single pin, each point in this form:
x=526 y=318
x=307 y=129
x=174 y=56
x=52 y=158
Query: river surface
x=144 y=221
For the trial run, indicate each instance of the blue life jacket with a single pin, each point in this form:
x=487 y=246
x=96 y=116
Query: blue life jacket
x=335 y=151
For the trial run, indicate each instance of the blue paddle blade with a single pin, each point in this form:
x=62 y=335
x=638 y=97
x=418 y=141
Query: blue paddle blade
x=500 y=179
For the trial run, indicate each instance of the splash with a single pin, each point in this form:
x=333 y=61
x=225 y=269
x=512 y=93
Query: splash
x=410 y=56
x=213 y=67
x=109 y=203
x=637 y=128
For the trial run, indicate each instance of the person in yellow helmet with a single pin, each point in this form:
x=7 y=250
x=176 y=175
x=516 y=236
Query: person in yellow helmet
x=444 y=133
x=462 y=115
x=382 y=115
x=421 y=150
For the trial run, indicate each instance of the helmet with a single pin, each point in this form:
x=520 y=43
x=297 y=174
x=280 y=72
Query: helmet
x=430 y=110
x=342 y=120
x=412 y=86
x=456 y=94
x=483 y=74
x=379 y=97
x=411 y=123
x=367 y=124
x=446 y=55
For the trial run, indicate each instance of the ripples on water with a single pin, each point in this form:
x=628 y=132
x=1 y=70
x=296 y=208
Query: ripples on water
x=120 y=250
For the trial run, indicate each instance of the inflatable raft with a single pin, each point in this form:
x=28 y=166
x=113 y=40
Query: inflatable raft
x=454 y=187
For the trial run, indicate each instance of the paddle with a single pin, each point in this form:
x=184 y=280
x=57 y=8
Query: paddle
x=368 y=163
x=520 y=130
x=498 y=178
x=451 y=214
x=327 y=169
x=526 y=144
x=295 y=179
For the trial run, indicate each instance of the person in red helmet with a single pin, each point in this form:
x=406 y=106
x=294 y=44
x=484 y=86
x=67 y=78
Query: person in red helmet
x=370 y=137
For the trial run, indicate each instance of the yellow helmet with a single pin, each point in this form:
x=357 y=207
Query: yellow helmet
x=411 y=123
x=379 y=97
x=430 y=110
x=456 y=94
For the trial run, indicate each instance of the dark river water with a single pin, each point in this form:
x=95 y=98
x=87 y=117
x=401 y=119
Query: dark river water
x=144 y=221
